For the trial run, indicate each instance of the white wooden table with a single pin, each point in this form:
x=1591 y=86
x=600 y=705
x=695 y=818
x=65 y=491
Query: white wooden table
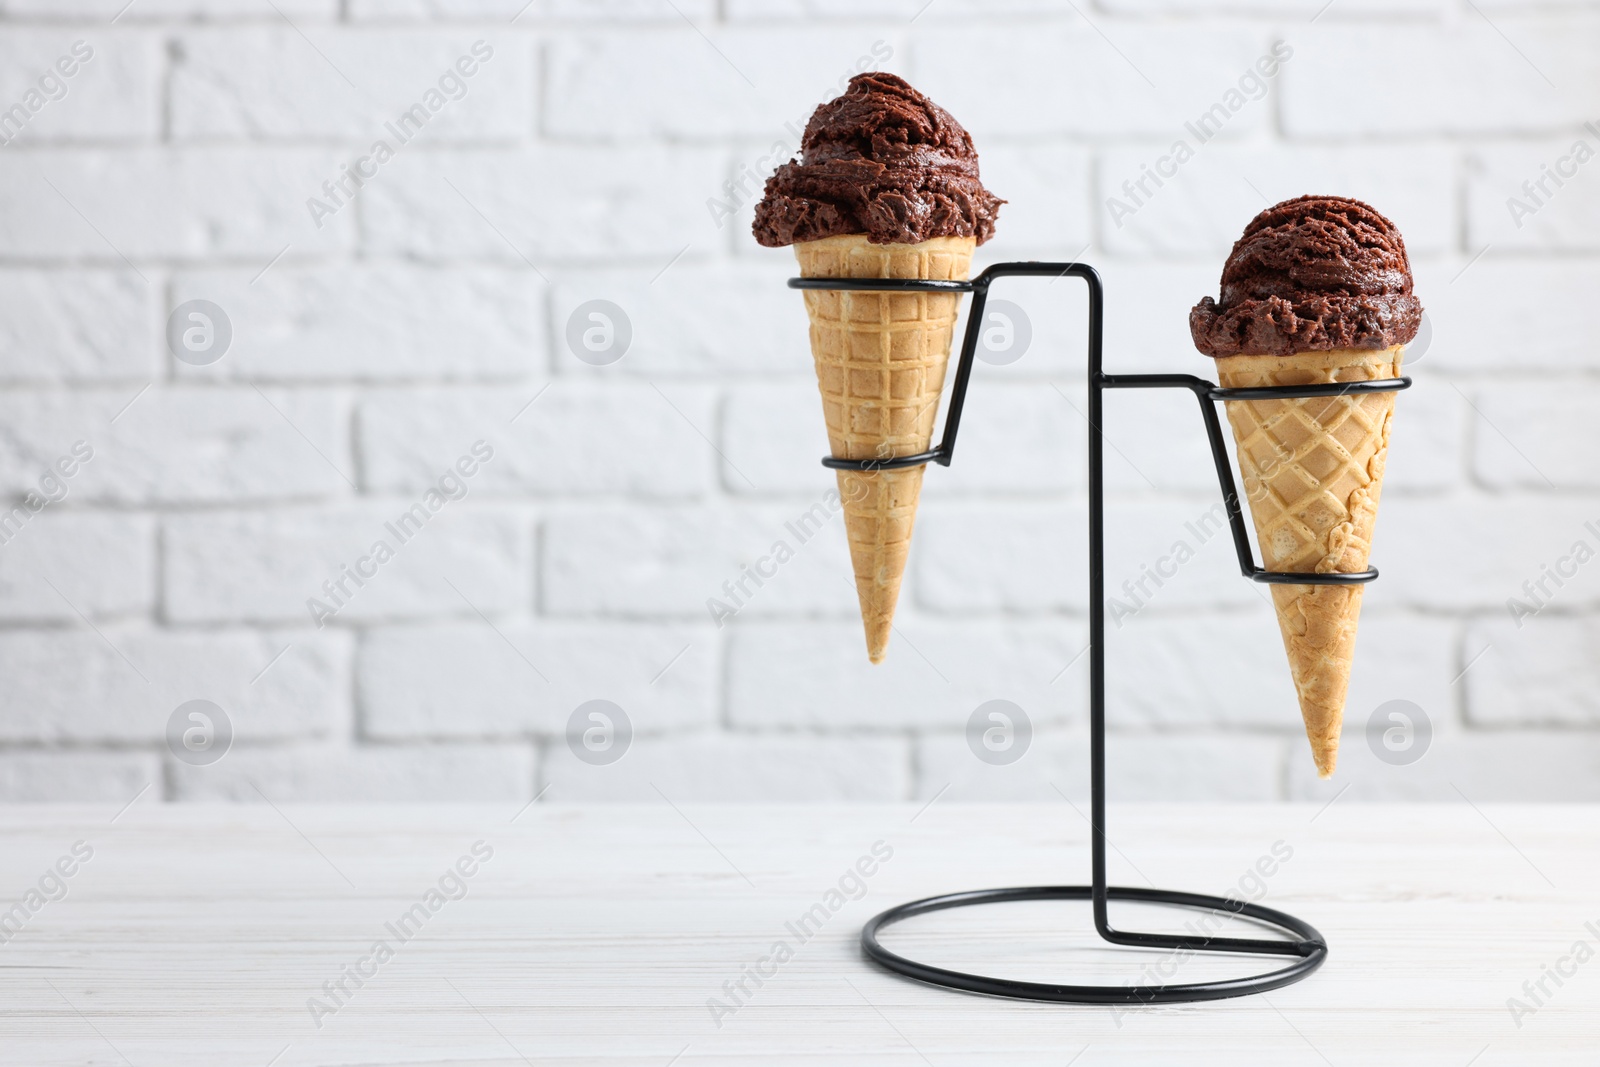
x=598 y=935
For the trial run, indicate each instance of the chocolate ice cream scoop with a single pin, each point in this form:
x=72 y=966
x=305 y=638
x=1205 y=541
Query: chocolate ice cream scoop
x=1309 y=275
x=881 y=160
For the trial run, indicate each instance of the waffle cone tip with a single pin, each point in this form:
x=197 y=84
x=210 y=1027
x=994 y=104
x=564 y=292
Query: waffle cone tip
x=877 y=615
x=1326 y=755
x=879 y=510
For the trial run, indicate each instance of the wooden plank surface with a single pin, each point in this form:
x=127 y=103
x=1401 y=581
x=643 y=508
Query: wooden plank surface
x=605 y=935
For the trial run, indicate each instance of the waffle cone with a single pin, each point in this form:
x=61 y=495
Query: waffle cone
x=881 y=360
x=1313 y=472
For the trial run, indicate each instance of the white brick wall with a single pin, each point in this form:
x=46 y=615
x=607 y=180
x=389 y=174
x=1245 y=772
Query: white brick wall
x=431 y=312
x=372 y=322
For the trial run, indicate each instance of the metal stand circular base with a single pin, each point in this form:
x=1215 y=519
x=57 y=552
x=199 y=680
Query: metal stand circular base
x=1309 y=949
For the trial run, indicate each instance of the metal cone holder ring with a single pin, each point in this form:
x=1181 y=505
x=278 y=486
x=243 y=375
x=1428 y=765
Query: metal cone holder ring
x=1304 y=946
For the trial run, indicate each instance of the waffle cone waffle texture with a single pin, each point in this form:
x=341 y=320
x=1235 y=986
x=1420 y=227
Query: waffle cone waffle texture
x=881 y=360
x=1313 y=471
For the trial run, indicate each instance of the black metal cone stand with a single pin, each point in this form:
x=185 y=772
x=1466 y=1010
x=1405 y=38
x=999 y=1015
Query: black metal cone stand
x=1305 y=947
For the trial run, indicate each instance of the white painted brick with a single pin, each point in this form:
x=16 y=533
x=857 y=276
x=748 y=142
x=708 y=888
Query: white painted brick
x=265 y=565
x=730 y=82
x=1211 y=670
x=1147 y=315
x=99 y=564
x=1428 y=438
x=526 y=13
x=1207 y=205
x=669 y=562
x=1070 y=80
x=76 y=325
x=1230 y=671
x=114 y=94
x=179 y=444
x=559 y=202
x=196 y=202
x=1055 y=310
x=1152 y=537
x=1139 y=768
x=1559 y=574
x=1504 y=215
x=1464 y=553
x=153 y=10
x=442 y=706
x=1013 y=559
x=1002 y=558
x=576 y=439
x=773 y=437
x=76 y=685
x=737 y=768
x=77 y=777
x=433 y=774
x=816 y=676
x=1402 y=657
x=1155 y=440
x=1049 y=211
x=1388 y=79
x=1545 y=672
x=462 y=681
x=373 y=322
x=1014 y=439
x=1480 y=319
x=1485 y=767
x=272 y=83
x=1535 y=434
x=695 y=318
